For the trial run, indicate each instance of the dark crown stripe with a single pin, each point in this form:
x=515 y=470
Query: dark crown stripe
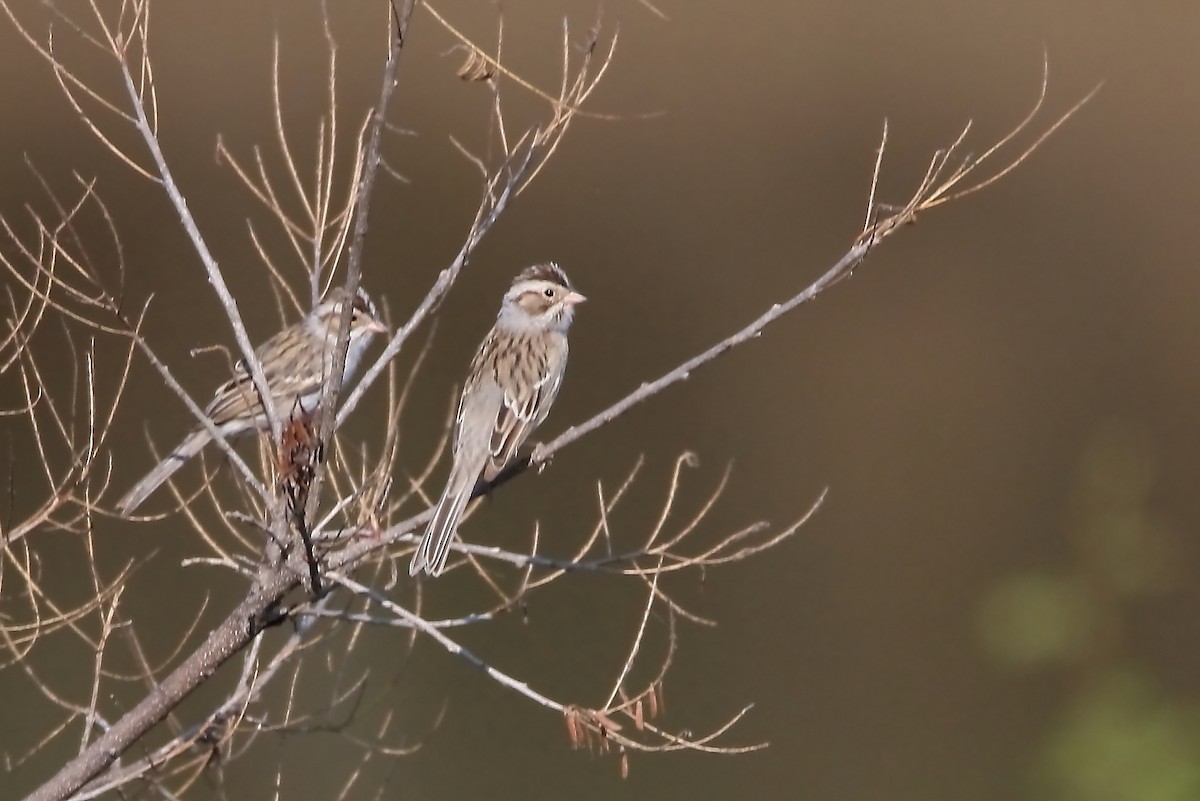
x=362 y=301
x=545 y=272
x=364 y=304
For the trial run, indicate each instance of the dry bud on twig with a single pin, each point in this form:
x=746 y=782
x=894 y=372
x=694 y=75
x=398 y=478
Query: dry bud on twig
x=300 y=451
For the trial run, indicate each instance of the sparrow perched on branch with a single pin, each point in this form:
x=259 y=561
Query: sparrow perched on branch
x=510 y=387
x=294 y=363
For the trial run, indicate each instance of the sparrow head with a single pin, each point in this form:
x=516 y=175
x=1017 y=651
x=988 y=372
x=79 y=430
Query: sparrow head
x=541 y=297
x=364 y=320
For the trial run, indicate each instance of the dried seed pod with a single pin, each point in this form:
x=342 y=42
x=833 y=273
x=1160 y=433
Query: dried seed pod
x=652 y=701
x=575 y=733
x=477 y=67
x=300 y=450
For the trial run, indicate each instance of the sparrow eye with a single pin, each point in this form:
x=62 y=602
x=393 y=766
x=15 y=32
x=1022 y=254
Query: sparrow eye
x=549 y=292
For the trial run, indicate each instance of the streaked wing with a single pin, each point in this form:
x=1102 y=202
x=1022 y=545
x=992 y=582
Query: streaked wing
x=529 y=387
x=514 y=423
x=287 y=362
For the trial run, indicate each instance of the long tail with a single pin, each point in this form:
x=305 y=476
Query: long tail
x=162 y=471
x=434 y=549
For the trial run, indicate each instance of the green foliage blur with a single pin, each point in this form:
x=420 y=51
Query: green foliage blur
x=1118 y=734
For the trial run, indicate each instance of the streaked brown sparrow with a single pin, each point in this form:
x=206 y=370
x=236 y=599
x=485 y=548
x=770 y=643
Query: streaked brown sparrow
x=511 y=384
x=294 y=362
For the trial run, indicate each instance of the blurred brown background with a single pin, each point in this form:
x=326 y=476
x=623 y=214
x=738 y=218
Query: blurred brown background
x=997 y=600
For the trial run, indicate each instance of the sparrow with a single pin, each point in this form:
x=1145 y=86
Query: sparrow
x=511 y=385
x=294 y=363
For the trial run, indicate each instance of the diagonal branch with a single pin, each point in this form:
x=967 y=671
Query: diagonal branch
x=397 y=34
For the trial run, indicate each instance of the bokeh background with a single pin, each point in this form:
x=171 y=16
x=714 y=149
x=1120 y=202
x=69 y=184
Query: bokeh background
x=997 y=600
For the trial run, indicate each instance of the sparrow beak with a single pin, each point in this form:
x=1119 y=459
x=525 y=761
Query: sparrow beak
x=574 y=299
x=377 y=327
